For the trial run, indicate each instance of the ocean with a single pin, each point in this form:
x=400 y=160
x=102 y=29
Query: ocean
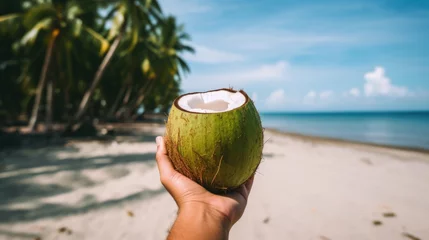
x=402 y=129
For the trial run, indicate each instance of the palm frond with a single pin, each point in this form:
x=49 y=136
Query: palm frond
x=30 y=37
x=168 y=31
x=38 y=13
x=108 y=17
x=184 y=36
x=10 y=23
x=117 y=22
x=147 y=3
x=183 y=65
x=10 y=18
x=150 y=4
x=75 y=27
x=73 y=10
x=180 y=28
x=134 y=30
x=155 y=5
x=181 y=47
x=153 y=48
x=157 y=15
x=95 y=39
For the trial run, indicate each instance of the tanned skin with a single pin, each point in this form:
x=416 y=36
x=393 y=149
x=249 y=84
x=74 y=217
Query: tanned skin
x=202 y=214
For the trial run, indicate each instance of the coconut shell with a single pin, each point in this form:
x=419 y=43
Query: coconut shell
x=220 y=151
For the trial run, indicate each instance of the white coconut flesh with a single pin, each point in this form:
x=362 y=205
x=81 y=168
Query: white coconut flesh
x=212 y=102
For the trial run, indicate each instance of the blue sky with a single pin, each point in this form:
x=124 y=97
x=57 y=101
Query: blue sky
x=308 y=55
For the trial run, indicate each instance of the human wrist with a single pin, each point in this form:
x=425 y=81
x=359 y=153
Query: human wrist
x=205 y=213
x=197 y=221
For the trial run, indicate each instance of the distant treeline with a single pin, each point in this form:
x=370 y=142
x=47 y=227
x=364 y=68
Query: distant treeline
x=69 y=60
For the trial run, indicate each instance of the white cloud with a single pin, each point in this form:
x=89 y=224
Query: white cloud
x=378 y=84
x=237 y=79
x=311 y=95
x=276 y=98
x=208 y=55
x=326 y=94
x=254 y=97
x=273 y=71
x=322 y=95
x=355 y=92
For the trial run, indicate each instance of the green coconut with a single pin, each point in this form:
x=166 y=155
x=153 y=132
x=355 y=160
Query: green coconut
x=215 y=138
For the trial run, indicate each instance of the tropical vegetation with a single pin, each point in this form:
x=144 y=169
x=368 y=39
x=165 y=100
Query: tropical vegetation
x=67 y=61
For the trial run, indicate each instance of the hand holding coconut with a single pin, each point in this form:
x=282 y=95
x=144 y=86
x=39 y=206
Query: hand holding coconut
x=213 y=144
x=202 y=214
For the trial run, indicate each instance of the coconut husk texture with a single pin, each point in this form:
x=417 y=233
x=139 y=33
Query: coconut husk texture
x=220 y=151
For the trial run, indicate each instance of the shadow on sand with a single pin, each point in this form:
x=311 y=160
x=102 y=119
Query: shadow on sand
x=20 y=235
x=20 y=167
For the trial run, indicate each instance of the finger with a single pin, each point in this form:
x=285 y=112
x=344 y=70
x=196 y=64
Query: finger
x=244 y=189
x=160 y=145
x=249 y=183
x=175 y=183
x=165 y=166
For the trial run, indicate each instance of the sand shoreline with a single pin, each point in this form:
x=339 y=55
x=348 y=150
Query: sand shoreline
x=346 y=142
x=305 y=188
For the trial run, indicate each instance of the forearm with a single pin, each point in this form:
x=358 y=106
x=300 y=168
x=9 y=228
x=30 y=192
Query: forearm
x=199 y=222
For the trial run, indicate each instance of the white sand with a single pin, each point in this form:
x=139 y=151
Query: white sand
x=304 y=189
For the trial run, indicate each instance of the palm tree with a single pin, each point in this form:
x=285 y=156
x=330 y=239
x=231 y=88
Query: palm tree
x=44 y=42
x=128 y=14
x=172 y=41
x=168 y=65
x=10 y=66
x=54 y=26
x=139 y=72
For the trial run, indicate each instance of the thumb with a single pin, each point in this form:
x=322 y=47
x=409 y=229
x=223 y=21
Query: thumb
x=165 y=166
x=175 y=183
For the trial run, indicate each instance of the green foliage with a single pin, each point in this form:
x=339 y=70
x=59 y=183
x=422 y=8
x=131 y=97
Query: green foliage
x=145 y=71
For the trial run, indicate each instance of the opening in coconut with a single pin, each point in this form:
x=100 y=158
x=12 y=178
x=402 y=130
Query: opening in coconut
x=212 y=102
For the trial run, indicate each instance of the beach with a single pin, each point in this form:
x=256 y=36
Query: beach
x=305 y=188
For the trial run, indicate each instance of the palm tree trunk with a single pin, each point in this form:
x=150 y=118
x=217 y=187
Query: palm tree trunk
x=50 y=87
x=83 y=106
x=66 y=103
x=112 y=109
x=125 y=101
x=49 y=97
x=126 y=87
x=140 y=99
x=127 y=95
x=68 y=85
x=41 y=84
x=125 y=110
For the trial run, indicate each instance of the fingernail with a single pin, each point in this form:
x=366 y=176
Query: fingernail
x=158 y=141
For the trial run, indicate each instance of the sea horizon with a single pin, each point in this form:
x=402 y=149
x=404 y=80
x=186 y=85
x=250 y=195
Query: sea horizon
x=409 y=129
x=343 y=111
